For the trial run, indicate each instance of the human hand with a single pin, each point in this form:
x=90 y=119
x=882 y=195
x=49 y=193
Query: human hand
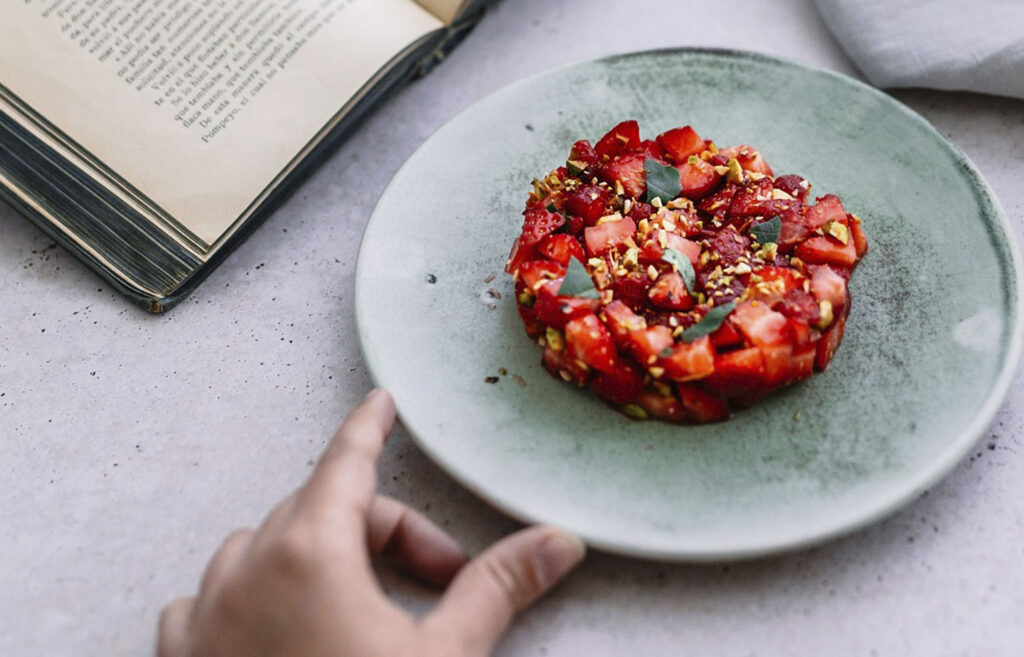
x=302 y=584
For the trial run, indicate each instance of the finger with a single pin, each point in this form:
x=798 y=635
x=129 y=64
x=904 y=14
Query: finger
x=347 y=471
x=227 y=555
x=507 y=577
x=412 y=541
x=173 y=628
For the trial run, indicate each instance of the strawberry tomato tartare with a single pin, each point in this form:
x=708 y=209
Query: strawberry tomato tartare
x=678 y=280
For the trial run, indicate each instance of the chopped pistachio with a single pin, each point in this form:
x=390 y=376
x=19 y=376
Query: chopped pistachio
x=825 y=311
x=652 y=272
x=656 y=372
x=608 y=218
x=838 y=230
x=780 y=194
x=735 y=173
x=634 y=411
x=554 y=339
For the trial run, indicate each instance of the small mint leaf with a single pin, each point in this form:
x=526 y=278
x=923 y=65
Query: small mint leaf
x=683 y=266
x=768 y=231
x=577 y=282
x=662 y=180
x=709 y=323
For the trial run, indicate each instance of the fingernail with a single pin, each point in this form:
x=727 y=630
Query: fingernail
x=557 y=554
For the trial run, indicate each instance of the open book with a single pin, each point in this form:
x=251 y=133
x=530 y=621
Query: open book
x=149 y=137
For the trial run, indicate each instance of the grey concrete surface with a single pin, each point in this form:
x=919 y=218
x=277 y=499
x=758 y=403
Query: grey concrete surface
x=131 y=444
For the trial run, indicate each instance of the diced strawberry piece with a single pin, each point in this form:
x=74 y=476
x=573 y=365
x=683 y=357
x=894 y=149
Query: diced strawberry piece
x=534 y=328
x=803 y=362
x=778 y=362
x=800 y=305
x=826 y=208
x=561 y=365
x=726 y=336
x=801 y=331
x=538 y=224
x=718 y=203
x=827 y=251
x=669 y=292
x=632 y=290
x=688 y=248
x=680 y=143
x=736 y=372
x=641 y=210
x=535 y=273
x=860 y=242
x=829 y=285
x=621 y=320
x=583 y=153
x=650 y=148
x=689 y=361
x=588 y=202
x=627 y=170
x=602 y=237
x=702 y=406
x=749 y=158
x=759 y=324
x=828 y=344
x=620 y=139
x=623 y=385
x=729 y=244
x=661 y=407
x=647 y=345
x=560 y=248
x=518 y=255
x=753 y=198
x=697 y=178
x=588 y=340
x=557 y=310
x=795 y=186
x=793 y=230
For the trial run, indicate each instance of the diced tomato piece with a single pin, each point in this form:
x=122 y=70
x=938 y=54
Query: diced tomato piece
x=628 y=170
x=621 y=320
x=681 y=143
x=602 y=237
x=560 y=248
x=560 y=364
x=588 y=340
x=795 y=186
x=749 y=158
x=736 y=372
x=726 y=336
x=538 y=224
x=689 y=361
x=665 y=408
x=697 y=178
x=759 y=324
x=702 y=406
x=828 y=344
x=620 y=386
x=826 y=208
x=669 y=292
x=583 y=153
x=860 y=242
x=827 y=250
x=557 y=310
x=647 y=345
x=535 y=273
x=588 y=202
x=620 y=139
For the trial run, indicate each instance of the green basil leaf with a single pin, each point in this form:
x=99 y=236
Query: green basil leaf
x=577 y=282
x=662 y=180
x=683 y=266
x=768 y=231
x=709 y=323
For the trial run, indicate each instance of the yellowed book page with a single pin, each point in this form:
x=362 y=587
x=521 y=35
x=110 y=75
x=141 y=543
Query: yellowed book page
x=199 y=105
x=446 y=10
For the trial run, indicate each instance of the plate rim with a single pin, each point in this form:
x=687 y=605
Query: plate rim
x=907 y=492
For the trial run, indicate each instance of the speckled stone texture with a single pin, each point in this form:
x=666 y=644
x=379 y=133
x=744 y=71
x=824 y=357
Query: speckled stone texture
x=132 y=444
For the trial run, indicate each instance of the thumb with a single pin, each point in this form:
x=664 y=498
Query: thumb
x=480 y=603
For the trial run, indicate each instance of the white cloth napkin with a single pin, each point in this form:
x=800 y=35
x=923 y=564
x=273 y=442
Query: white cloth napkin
x=975 y=45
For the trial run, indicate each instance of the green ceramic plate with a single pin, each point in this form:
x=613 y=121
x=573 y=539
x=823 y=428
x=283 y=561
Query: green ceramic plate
x=930 y=347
